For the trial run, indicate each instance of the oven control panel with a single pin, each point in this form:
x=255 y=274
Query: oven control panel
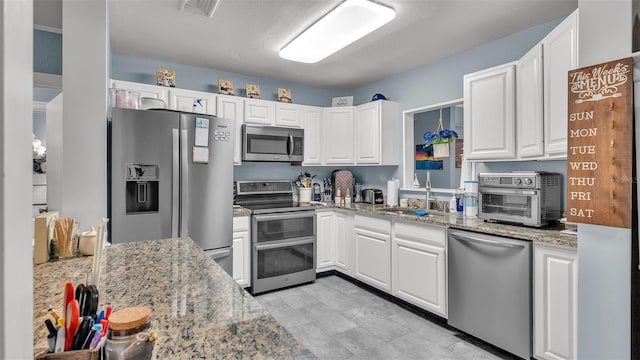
x=264 y=187
x=510 y=180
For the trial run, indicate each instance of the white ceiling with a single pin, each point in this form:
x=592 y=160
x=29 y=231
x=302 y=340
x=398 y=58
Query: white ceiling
x=244 y=36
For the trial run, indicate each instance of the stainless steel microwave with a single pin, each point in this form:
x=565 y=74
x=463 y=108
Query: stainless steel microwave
x=272 y=143
x=530 y=198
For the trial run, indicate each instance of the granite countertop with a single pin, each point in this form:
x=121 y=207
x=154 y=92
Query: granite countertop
x=198 y=309
x=240 y=211
x=548 y=235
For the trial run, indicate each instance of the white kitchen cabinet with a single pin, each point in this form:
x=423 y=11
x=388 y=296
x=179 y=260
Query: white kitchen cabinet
x=325 y=240
x=529 y=104
x=231 y=107
x=338 y=136
x=187 y=101
x=489 y=113
x=555 y=302
x=376 y=133
x=143 y=90
x=289 y=115
x=241 y=251
x=312 y=120
x=345 y=244
x=373 y=251
x=560 y=55
x=335 y=241
x=262 y=112
x=418 y=260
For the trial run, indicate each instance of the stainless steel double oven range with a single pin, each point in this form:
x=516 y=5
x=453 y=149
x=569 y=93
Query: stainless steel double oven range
x=283 y=234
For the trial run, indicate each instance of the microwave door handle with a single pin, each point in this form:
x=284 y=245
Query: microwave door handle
x=290 y=146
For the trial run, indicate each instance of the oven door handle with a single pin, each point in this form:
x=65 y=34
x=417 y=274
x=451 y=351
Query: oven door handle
x=492 y=190
x=282 y=244
x=280 y=216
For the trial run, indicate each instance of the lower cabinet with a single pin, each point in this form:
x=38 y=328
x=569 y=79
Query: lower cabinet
x=373 y=251
x=334 y=241
x=555 y=302
x=325 y=241
x=345 y=246
x=241 y=251
x=418 y=259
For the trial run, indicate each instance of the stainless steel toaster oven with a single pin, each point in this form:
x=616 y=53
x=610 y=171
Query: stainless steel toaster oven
x=530 y=198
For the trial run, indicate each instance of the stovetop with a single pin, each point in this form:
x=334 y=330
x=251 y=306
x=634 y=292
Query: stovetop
x=266 y=208
x=270 y=196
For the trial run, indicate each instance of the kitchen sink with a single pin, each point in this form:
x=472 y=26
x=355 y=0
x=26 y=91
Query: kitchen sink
x=401 y=211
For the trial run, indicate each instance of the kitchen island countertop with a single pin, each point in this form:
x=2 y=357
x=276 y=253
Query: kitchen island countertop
x=198 y=309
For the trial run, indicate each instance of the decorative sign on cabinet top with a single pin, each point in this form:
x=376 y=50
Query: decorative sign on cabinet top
x=600 y=145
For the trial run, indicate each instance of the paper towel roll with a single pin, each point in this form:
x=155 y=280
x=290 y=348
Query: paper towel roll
x=465 y=172
x=392 y=192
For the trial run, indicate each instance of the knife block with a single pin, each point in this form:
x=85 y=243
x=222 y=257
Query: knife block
x=42 y=236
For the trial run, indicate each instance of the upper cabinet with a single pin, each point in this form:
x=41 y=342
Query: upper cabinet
x=338 y=135
x=289 y=115
x=376 y=133
x=539 y=123
x=489 y=113
x=143 y=90
x=231 y=107
x=560 y=48
x=529 y=118
x=366 y=134
x=192 y=101
x=312 y=117
x=259 y=112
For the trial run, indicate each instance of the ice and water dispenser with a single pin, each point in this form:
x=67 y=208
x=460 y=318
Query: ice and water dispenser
x=142 y=188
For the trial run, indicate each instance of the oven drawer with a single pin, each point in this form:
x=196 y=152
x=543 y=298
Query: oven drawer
x=283 y=263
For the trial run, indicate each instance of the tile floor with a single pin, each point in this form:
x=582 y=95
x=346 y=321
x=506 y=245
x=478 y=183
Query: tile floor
x=337 y=319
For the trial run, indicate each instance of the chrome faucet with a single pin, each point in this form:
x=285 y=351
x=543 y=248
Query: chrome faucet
x=427 y=200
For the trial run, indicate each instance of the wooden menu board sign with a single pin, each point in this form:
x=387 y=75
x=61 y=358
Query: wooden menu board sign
x=600 y=144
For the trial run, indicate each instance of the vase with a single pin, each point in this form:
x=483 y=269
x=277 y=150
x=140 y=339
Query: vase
x=440 y=150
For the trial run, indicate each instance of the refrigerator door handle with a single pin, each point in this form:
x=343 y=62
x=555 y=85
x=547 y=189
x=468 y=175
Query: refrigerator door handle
x=219 y=253
x=184 y=184
x=175 y=183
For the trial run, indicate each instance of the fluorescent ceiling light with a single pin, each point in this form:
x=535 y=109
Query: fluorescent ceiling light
x=350 y=21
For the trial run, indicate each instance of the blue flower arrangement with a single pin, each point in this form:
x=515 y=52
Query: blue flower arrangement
x=442 y=137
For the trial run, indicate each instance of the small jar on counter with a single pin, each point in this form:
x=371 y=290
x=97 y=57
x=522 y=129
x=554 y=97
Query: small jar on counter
x=130 y=334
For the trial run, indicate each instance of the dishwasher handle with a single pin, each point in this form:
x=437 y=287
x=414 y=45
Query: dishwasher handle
x=486 y=241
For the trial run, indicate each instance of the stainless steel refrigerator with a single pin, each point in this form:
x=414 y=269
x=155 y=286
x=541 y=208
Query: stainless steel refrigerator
x=171 y=175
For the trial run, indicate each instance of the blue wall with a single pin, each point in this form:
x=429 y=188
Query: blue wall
x=47 y=52
x=443 y=80
x=143 y=70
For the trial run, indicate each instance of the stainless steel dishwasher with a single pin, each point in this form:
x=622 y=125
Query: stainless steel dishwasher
x=490 y=289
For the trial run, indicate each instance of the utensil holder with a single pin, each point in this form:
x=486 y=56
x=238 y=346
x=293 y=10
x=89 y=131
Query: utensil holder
x=305 y=195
